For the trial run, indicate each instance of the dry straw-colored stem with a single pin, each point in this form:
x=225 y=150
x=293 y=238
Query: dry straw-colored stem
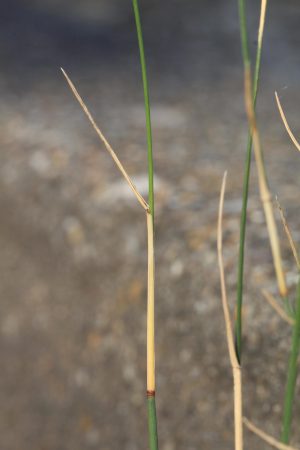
x=108 y=147
x=262 y=20
x=236 y=368
x=266 y=437
x=150 y=307
x=285 y=122
x=275 y=305
x=288 y=234
x=265 y=194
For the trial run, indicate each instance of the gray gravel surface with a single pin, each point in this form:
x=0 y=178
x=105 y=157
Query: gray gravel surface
x=73 y=246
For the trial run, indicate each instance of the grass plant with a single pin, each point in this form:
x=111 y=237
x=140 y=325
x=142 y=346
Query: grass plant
x=251 y=90
x=151 y=389
x=235 y=345
x=266 y=199
x=233 y=333
x=149 y=209
x=150 y=295
x=275 y=246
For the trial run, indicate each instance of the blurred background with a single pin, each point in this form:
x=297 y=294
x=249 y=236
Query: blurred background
x=73 y=246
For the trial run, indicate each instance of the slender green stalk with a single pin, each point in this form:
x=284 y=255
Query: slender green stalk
x=152 y=419
x=147 y=104
x=247 y=169
x=243 y=31
x=292 y=375
x=152 y=423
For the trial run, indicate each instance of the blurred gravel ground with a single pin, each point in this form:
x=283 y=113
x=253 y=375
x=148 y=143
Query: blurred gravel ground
x=73 y=247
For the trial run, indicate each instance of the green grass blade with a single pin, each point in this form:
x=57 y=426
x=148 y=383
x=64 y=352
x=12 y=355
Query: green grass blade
x=147 y=105
x=292 y=375
x=247 y=170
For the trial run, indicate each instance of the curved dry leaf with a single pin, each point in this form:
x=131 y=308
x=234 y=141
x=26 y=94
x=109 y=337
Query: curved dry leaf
x=236 y=369
x=266 y=437
x=275 y=305
x=288 y=233
x=108 y=147
x=285 y=122
x=229 y=333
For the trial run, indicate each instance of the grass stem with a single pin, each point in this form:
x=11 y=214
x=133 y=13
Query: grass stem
x=152 y=419
x=243 y=218
x=292 y=375
x=265 y=194
x=152 y=423
x=150 y=310
x=236 y=368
